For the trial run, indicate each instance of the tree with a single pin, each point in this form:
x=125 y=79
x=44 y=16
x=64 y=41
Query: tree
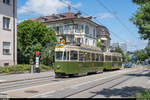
x=140 y=55
x=140 y=2
x=142 y=18
x=98 y=43
x=148 y=51
x=32 y=37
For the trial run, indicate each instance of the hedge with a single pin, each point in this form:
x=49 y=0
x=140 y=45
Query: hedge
x=22 y=69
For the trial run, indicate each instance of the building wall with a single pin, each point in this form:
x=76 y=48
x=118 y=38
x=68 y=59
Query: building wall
x=8 y=35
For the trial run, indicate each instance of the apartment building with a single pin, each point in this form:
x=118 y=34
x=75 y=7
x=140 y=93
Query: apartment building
x=72 y=27
x=8 y=32
x=103 y=35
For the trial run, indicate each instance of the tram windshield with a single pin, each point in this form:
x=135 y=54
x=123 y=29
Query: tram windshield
x=59 y=55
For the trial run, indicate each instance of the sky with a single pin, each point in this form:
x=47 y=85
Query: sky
x=121 y=31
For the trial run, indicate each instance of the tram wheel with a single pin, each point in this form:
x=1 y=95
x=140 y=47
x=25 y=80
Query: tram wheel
x=57 y=75
x=70 y=76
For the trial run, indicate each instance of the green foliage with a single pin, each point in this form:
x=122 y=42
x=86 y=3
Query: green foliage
x=143 y=94
x=22 y=68
x=47 y=54
x=140 y=55
x=142 y=18
x=140 y=1
x=148 y=51
x=125 y=57
x=98 y=43
x=32 y=37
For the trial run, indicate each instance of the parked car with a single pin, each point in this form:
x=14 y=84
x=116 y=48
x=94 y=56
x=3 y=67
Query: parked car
x=127 y=65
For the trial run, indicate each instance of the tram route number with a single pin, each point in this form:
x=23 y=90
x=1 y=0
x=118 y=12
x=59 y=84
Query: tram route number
x=59 y=46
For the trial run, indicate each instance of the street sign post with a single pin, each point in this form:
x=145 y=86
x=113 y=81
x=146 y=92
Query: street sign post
x=37 y=61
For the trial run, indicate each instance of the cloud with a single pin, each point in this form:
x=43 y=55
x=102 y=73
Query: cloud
x=106 y=15
x=44 y=7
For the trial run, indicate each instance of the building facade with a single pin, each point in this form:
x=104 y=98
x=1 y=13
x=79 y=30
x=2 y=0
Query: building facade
x=8 y=33
x=121 y=45
x=72 y=27
x=103 y=35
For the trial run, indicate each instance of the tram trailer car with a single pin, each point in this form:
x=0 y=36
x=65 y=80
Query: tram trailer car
x=112 y=61
x=77 y=61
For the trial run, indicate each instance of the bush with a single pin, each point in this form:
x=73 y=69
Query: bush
x=21 y=68
x=143 y=94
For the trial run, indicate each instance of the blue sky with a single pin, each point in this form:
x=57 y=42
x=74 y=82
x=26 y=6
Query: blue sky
x=121 y=8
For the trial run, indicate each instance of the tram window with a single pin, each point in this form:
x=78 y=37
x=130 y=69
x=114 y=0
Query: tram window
x=81 y=56
x=65 y=56
x=74 y=55
x=108 y=58
x=93 y=57
x=101 y=57
x=88 y=57
x=119 y=58
x=97 y=57
x=115 y=58
x=59 y=55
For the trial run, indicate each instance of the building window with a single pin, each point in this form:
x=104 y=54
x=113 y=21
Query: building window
x=6 y=23
x=94 y=33
x=6 y=2
x=86 y=29
x=93 y=42
x=79 y=28
x=6 y=48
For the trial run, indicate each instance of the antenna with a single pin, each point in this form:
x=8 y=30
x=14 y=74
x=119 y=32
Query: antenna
x=69 y=6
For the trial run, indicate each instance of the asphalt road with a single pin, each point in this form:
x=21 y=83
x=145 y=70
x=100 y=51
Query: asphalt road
x=115 y=84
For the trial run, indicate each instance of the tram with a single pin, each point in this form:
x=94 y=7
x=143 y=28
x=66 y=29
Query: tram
x=77 y=60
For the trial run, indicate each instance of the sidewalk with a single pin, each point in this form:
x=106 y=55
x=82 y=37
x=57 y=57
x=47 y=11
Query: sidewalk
x=21 y=77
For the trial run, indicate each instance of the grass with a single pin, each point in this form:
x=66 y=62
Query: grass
x=143 y=94
x=22 y=69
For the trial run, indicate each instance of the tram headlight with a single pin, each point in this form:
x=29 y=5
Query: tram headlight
x=58 y=66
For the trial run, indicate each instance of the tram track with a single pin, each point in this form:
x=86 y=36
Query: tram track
x=27 y=83
x=103 y=83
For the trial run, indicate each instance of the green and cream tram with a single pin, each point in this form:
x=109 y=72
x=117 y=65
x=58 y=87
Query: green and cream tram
x=112 y=61
x=77 y=60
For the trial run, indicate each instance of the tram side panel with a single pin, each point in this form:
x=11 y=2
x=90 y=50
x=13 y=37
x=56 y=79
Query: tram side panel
x=66 y=68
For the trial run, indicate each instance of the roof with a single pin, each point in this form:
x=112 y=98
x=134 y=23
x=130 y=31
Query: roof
x=62 y=16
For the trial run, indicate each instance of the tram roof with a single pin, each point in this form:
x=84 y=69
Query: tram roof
x=112 y=53
x=82 y=48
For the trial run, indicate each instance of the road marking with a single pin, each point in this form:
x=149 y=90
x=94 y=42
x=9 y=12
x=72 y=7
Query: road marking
x=43 y=95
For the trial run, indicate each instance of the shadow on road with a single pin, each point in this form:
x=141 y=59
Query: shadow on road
x=126 y=92
x=139 y=75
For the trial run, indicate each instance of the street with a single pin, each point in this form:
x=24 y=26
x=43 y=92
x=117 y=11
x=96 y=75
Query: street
x=112 y=84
